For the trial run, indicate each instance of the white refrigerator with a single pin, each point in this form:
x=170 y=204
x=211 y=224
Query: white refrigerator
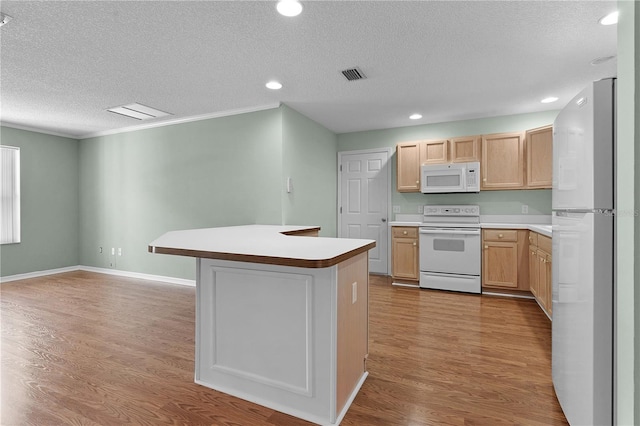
x=583 y=204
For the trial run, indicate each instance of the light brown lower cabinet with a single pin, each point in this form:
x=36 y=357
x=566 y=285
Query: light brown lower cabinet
x=404 y=253
x=505 y=265
x=540 y=281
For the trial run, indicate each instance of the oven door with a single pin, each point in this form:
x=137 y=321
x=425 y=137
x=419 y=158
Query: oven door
x=450 y=250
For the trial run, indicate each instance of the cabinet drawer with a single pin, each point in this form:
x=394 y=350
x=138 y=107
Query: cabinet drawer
x=404 y=231
x=533 y=238
x=544 y=243
x=500 y=235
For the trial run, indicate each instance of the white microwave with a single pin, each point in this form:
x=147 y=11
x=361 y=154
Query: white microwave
x=455 y=177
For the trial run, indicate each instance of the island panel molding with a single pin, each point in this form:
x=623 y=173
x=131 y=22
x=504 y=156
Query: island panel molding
x=241 y=309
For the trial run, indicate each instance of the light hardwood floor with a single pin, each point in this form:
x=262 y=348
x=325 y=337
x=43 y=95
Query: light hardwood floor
x=90 y=349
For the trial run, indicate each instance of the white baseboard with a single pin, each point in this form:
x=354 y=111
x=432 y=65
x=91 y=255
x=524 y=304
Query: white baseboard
x=37 y=274
x=517 y=296
x=149 y=277
x=139 y=275
x=405 y=285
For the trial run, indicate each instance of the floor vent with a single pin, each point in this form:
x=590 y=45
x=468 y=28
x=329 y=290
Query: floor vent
x=353 y=74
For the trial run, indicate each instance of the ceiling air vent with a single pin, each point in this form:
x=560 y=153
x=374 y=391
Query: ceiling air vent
x=353 y=74
x=138 y=111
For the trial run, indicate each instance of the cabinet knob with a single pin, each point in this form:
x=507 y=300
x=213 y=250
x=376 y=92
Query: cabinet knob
x=417 y=182
x=486 y=247
x=415 y=244
x=484 y=180
x=500 y=235
x=404 y=232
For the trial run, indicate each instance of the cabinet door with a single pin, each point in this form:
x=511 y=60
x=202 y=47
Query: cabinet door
x=544 y=279
x=539 y=157
x=405 y=258
x=434 y=152
x=502 y=163
x=500 y=264
x=465 y=149
x=549 y=286
x=408 y=167
x=534 y=272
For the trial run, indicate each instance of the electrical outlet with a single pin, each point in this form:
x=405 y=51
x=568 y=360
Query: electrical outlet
x=99 y=249
x=113 y=251
x=354 y=292
x=119 y=251
x=525 y=209
x=396 y=209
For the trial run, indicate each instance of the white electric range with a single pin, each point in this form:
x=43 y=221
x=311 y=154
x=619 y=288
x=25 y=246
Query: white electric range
x=450 y=248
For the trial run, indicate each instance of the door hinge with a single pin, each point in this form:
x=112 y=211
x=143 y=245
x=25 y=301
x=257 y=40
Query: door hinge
x=340 y=167
x=340 y=209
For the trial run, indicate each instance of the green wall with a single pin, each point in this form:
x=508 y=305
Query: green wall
x=491 y=202
x=49 y=203
x=135 y=186
x=310 y=159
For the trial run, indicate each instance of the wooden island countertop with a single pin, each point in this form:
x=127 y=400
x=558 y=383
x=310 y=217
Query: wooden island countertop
x=270 y=244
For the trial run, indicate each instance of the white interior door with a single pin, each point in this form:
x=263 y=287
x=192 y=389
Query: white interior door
x=364 y=201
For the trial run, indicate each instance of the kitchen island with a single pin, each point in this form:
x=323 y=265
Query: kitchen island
x=281 y=316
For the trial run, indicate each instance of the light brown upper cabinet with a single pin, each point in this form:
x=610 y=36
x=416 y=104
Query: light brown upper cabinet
x=465 y=149
x=434 y=152
x=408 y=167
x=539 y=157
x=502 y=163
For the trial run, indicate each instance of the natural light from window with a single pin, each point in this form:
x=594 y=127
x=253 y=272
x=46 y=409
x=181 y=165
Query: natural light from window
x=10 y=188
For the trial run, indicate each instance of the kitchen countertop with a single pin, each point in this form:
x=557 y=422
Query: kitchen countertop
x=539 y=228
x=537 y=223
x=261 y=244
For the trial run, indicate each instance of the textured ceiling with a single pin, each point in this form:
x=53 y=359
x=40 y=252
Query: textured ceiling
x=62 y=64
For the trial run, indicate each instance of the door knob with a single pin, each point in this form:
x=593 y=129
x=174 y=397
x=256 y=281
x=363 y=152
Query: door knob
x=384 y=219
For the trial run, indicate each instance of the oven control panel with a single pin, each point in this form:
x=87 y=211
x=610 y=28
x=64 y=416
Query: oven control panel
x=460 y=210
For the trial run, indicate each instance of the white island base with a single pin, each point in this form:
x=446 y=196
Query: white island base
x=292 y=339
x=282 y=316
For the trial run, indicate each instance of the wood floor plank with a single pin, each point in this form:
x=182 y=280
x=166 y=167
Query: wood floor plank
x=85 y=349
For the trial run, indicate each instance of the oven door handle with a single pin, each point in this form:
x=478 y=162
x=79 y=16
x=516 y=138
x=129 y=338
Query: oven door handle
x=456 y=231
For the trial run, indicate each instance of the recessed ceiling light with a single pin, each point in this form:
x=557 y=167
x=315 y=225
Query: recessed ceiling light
x=289 y=7
x=610 y=19
x=274 y=85
x=4 y=19
x=138 y=111
x=415 y=116
x=602 y=60
x=549 y=100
